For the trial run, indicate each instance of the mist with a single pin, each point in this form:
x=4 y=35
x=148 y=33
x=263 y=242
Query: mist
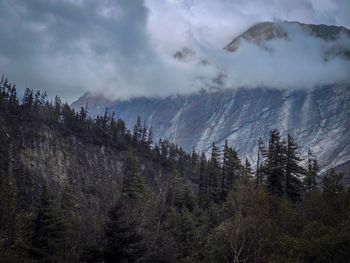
x=123 y=49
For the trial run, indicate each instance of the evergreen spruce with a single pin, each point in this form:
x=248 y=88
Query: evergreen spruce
x=49 y=231
x=293 y=171
x=203 y=186
x=260 y=163
x=134 y=185
x=123 y=242
x=137 y=135
x=226 y=168
x=150 y=138
x=311 y=173
x=247 y=172
x=214 y=173
x=275 y=164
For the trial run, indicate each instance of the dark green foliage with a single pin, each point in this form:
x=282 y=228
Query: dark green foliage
x=318 y=243
x=247 y=173
x=214 y=173
x=282 y=167
x=182 y=226
x=274 y=168
x=134 y=186
x=311 y=173
x=292 y=180
x=203 y=180
x=49 y=230
x=137 y=135
x=123 y=242
x=260 y=163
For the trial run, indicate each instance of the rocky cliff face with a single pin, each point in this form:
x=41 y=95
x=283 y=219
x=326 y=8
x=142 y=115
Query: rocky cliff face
x=318 y=119
x=35 y=157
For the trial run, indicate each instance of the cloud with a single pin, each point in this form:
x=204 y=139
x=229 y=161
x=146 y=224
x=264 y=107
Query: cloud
x=124 y=48
x=300 y=61
x=67 y=47
x=215 y=23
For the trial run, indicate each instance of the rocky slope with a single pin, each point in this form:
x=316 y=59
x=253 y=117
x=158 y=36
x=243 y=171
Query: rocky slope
x=34 y=156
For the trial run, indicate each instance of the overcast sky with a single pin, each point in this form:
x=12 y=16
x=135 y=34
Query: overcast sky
x=124 y=47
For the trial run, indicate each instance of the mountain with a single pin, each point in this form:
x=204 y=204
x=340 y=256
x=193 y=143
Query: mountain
x=317 y=116
x=260 y=34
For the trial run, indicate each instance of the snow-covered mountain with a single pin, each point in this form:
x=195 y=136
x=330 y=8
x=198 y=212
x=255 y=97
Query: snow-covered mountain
x=318 y=117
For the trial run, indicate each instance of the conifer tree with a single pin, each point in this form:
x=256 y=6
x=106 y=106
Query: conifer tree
x=8 y=210
x=144 y=135
x=137 y=135
x=123 y=242
x=121 y=128
x=176 y=190
x=260 y=162
x=13 y=100
x=37 y=101
x=134 y=185
x=215 y=172
x=194 y=163
x=275 y=164
x=28 y=100
x=49 y=231
x=57 y=109
x=226 y=168
x=282 y=167
x=234 y=167
x=203 y=182
x=293 y=171
x=231 y=169
x=311 y=174
x=3 y=95
x=247 y=172
x=69 y=210
x=68 y=117
x=150 y=138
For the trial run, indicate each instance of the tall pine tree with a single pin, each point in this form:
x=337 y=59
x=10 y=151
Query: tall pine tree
x=274 y=167
x=123 y=242
x=214 y=173
x=134 y=185
x=311 y=173
x=49 y=231
x=138 y=130
x=293 y=171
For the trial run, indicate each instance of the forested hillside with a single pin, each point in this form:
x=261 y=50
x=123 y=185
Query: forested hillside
x=79 y=189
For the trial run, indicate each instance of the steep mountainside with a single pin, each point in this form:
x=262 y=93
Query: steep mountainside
x=319 y=118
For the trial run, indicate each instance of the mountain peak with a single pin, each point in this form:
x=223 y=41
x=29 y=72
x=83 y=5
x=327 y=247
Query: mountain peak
x=260 y=33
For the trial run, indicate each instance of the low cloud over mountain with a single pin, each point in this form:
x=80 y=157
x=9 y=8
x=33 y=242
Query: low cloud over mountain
x=126 y=48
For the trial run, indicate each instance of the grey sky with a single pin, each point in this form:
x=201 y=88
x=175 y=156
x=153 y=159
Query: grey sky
x=124 y=47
